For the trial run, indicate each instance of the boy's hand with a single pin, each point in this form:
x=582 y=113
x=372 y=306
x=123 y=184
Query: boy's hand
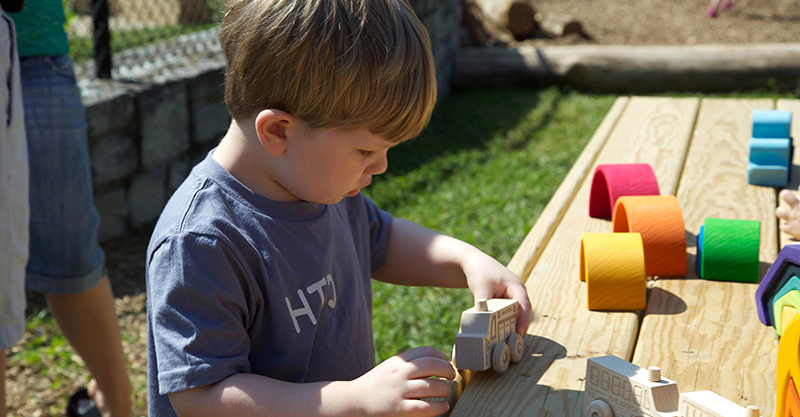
x=397 y=385
x=487 y=278
x=790 y=215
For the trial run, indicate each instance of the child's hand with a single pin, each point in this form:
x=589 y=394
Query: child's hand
x=487 y=278
x=397 y=385
x=790 y=215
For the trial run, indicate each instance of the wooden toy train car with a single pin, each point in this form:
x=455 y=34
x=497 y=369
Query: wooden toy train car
x=487 y=337
x=617 y=388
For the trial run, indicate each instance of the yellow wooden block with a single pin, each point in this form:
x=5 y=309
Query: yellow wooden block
x=792 y=300
x=788 y=362
x=788 y=314
x=612 y=264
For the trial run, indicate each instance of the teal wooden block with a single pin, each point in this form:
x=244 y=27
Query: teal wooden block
x=772 y=123
x=767 y=175
x=771 y=151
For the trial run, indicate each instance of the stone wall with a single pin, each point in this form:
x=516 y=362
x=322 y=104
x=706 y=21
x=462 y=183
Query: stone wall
x=153 y=122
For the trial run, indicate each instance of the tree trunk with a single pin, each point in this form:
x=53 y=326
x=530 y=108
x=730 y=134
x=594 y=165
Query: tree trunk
x=518 y=16
x=558 y=25
x=482 y=30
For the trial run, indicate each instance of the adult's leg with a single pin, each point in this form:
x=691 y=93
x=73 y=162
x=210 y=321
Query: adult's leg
x=66 y=262
x=90 y=324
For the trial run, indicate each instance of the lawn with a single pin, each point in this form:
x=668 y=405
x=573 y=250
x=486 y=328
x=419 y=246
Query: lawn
x=482 y=171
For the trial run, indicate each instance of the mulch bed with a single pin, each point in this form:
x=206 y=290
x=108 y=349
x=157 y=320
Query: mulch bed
x=630 y=22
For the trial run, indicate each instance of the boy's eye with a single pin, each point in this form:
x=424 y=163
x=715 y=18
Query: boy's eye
x=366 y=154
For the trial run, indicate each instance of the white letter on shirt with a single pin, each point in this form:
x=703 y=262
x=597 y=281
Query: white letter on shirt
x=301 y=311
x=332 y=302
x=317 y=287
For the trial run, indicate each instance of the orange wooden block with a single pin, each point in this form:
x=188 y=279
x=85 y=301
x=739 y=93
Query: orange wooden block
x=792 y=406
x=612 y=264
x=660 y=222
x=788 y=368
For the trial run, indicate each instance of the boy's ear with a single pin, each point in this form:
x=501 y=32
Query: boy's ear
x=273 y=128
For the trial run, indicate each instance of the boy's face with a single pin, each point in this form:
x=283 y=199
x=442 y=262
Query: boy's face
x=325 y=165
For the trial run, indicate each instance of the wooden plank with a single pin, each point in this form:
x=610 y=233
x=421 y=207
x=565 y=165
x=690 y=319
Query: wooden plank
x=548 y=380
x=706 y=334
x=535 y=241
x=794 y=181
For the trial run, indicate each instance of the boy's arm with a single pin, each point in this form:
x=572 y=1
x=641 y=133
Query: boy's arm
x=393 y=388
x=419 y=256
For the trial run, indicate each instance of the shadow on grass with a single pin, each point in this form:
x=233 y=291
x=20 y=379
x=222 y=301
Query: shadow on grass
x=481 y=115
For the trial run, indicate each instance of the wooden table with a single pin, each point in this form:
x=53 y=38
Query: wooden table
x=703 y=334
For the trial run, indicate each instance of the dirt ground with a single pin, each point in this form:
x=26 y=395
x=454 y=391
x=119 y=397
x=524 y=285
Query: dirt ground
x=675 y=22
x=30 y=391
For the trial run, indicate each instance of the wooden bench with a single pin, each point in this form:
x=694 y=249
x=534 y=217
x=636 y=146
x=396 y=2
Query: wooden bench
x=705 y=335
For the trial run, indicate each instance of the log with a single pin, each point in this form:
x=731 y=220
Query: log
x=558 y=25
x=518 y=16
x=639 y=69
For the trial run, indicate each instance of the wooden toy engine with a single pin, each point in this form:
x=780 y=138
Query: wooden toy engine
x=487 y=337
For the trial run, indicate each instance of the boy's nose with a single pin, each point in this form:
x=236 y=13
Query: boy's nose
x=379 y=167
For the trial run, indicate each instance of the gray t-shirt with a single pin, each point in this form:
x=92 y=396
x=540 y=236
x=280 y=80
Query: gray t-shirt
x=237 y=283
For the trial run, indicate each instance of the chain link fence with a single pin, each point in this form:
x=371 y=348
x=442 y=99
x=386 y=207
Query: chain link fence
x=111 y=38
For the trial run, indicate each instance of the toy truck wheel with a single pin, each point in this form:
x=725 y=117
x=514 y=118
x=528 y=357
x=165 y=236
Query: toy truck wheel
x=599 y=408
x=515 y=343
x=501 y=356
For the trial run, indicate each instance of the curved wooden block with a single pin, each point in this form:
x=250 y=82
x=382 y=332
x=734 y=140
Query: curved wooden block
x=612 y=264
x=775 y=279
x=699 y=257
x=776 y=151
x=788 y=365
x=660 y=222
x=771 y=123
x=790 y=300
x=792 y=400
x=767 y=175
x=792 y=284
x=612 y=181
x=730 y=250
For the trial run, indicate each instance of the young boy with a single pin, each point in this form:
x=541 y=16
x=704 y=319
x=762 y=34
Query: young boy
x=258 y=271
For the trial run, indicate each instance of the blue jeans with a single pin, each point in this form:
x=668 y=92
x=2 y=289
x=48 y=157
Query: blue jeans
x=65 y=257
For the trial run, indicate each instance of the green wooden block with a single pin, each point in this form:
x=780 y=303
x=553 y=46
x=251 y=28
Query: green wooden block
x=730 y=250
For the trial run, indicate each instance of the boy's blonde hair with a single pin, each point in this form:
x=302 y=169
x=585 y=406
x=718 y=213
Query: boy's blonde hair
x=347 y=64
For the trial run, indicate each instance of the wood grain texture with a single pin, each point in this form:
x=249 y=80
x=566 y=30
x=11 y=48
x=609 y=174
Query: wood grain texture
x=794 y=179
x=549 y=379
x=705 y=334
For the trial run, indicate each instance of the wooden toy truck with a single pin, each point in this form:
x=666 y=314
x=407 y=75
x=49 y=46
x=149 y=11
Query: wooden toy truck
x=487 y=337
x=618 y=388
